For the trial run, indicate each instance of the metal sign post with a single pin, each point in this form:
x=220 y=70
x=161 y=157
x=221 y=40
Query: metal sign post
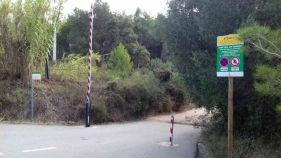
x=230 y=117
x=33 y=76
x=230 y=63
x=31 y=83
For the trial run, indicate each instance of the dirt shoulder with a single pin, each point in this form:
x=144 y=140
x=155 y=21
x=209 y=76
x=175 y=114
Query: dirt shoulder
x=194 y=116
x=191 y=116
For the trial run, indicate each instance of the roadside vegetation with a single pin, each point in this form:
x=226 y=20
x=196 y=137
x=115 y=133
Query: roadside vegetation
x=145 y=65
x=256 y=95
x=130 y=82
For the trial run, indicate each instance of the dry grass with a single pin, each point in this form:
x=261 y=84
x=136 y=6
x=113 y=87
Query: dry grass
x=64 y=99
x=60 y=101
x=243 y=148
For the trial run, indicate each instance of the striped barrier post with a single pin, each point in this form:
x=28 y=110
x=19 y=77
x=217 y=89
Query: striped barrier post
x=172 y=128
x=88 y=104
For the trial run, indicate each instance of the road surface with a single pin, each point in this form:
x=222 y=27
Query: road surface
x=147 y=139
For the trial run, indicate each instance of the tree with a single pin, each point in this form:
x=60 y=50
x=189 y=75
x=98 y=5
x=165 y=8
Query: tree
x=145 y=28
x=26 y=35
x=109 y=30
x=267 y=13
x=120 y=61
x=140 y=55
x=266 y=41
x=79 y=32
x=191 y=28
x=62 y=44
x=73 y=34
x=102 y=18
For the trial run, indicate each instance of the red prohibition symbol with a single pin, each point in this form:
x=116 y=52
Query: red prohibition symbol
x=235 y=61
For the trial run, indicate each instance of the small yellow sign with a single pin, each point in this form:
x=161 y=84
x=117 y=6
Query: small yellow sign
x=228 y=40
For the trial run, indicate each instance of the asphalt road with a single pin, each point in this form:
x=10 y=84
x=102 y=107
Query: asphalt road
x=130 y=140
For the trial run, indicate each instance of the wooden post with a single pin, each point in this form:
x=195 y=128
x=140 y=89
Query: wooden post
x=230 y=117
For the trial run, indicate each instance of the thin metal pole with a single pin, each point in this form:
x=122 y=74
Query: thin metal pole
x=230 y=117
x=31 y=82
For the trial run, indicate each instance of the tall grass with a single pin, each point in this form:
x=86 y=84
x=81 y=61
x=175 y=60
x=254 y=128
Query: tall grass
x=243 y=147
x=74 y=67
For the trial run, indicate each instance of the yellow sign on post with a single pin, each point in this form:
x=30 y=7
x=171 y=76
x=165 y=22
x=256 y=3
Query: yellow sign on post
x=228 y=40
x=230 y=57
x=230 y=63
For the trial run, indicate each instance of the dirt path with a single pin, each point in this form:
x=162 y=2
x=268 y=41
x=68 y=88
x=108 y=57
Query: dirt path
x=190 y=117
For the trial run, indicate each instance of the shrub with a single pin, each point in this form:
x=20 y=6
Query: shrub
x=164 y=76
x=247 y=147
x=137 y=98
x=111 y=85
x=177 y=96
x=149 y=89
x=115 y=100
x=157 y=66
x=117 y=108
x=98 y=114
x=167 y=104
x=72 y=66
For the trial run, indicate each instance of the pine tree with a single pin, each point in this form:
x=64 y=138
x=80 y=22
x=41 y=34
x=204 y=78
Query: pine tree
x=120 y=60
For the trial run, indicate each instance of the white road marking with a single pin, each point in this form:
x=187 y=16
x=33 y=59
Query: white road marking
x=51 y=148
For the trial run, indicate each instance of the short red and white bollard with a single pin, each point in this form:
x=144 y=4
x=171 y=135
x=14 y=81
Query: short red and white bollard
x=172 y=128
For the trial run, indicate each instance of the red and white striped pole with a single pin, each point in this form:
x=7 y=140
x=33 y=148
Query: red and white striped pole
x=88 y=104
x=172 y=128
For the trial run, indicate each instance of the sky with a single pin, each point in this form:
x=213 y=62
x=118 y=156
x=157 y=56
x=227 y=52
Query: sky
x=153 y=7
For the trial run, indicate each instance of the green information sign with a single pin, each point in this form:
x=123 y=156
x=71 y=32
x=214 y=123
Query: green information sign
x=230 y=57
x=36 y=75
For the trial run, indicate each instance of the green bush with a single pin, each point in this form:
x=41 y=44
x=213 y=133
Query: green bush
x=72 y=66
x=167 y=104
x=149 y=89
x=115 y=100
x=98 y=114
x=111 y=85
x=177 y=96
x=179 y=82
x=137 y=98
x=157 y=66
